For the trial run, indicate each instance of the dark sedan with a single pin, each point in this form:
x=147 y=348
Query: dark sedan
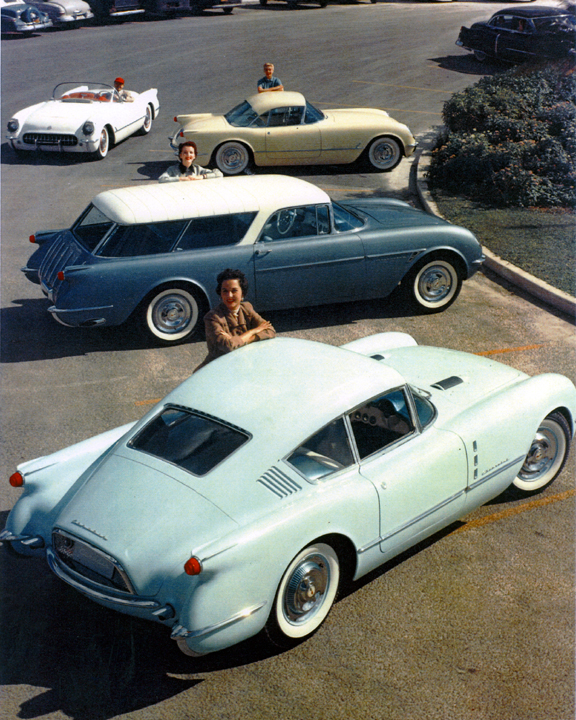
x=518 y=35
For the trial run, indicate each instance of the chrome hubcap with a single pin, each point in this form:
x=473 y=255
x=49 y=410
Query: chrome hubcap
x=306 y=590
x=541 y=456
x=434 y=284
x=172 y=314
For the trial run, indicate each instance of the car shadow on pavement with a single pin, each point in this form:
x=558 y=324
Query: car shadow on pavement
x=40 y=158
x=30 y=334
x=468 y=65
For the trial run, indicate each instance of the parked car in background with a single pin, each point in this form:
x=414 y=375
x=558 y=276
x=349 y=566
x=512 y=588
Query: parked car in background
x=520 y=34
x=153 y=252
x=65 y=13
x=22 y=18
x=293 y=4
x=283 y=128
x=83 y=117
x=276 y=474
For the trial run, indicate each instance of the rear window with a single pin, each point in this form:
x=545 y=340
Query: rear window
x=189 y=439
x=133 y=240
x=91 y=228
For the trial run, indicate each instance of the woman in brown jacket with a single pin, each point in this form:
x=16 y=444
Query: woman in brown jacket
x=234 y=322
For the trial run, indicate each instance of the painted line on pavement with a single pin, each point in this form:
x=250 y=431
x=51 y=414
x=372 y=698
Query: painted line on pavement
x=510 y=512
x=404 y=87
x=507 y=350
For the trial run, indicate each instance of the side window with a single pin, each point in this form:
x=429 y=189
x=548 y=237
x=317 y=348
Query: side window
x=215 y=231
x=297 y=222
x=279 y=117
x=424 y=409
x=324 y=453
x=380 y=423
x=133 y=240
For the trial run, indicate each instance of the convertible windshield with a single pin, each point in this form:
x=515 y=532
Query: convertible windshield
x=84 y=92
x=344 y=220
x=191 y=440
x=242 y=115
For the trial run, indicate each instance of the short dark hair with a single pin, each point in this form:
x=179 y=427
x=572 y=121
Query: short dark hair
x=188 y=143
x=230 y=274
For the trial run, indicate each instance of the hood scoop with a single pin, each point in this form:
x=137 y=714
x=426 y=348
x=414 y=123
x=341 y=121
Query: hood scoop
x=447 y=383
x=279 y=483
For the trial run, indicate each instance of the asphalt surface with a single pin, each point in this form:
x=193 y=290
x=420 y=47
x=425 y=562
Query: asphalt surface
x=476 y=623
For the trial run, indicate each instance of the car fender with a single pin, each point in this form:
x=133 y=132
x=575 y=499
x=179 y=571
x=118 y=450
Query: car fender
x=241 y=573
x=49 y=479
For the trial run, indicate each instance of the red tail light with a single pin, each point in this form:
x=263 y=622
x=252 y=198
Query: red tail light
x=61 y=275
x=175 y=119
x=181 y=133
x=193 y=566
x=16 y=479
x=32 y=238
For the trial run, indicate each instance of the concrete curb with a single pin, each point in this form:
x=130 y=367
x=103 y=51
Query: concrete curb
x=538 y=288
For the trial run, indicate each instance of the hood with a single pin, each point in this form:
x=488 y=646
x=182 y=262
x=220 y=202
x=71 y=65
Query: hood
x=145 y=518
x=395 y=214
x=454 y=379
x=56 y=116
x=203 y=121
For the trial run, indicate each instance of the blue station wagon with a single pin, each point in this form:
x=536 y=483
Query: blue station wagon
x=152 y=252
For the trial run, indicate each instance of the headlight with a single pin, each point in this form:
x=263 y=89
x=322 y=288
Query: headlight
x=88 y=128
x=13 y=125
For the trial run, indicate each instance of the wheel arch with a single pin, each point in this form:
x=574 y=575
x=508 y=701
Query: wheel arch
x=182 y=283
x=443 y=253
x=386 y=134
x=242 y=141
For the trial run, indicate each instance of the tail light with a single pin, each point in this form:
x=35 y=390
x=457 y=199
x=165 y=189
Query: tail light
x=193 y=566
x=16 y=479
x=60 y=275
x=32 y=238
x=175 y=119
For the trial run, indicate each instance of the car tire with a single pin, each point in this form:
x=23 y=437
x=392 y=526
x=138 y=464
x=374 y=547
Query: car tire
x=433 y=284
x=227 y=10
x=232 y=158
x=103 y=144
x=148 y=120
x=170 y=315
x=547 y=455
x=263 y=3
x=384 y=153
x=305 y=595
x=480 y=56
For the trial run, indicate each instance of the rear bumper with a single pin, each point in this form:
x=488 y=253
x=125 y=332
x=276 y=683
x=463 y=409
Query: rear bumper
x=81 y=317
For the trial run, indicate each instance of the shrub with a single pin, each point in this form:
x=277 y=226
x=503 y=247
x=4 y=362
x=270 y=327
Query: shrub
x=510 y=140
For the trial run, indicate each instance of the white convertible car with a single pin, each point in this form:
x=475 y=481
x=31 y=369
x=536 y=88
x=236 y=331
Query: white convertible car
x=83 y=118
x=248 y=494
x=283 y=128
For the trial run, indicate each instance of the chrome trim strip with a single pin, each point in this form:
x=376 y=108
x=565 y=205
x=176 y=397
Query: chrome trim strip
x=53 y=309
x=96 y=595
x=423 y=515
x=496 y=472
x=321 y=263
x=28 y=540
x=180 y=631
x=414 y=252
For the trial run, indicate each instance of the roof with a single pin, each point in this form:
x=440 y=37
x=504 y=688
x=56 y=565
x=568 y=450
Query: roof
x=262 y=102
x=160 y=202
x=533 y=11
x=285 y=388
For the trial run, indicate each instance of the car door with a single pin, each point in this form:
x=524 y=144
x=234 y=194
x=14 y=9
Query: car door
x=125 y=117
x=288 y=139
x=420 y=476
x=299 y=261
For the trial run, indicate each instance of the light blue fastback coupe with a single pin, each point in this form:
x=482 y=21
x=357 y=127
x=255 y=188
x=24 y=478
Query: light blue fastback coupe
x=247 y=495
x=153 y=252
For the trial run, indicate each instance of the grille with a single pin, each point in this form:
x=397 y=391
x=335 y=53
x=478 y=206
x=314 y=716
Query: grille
x=90 y=563
x=49 y=139
x=61 y=254
x=279 y=483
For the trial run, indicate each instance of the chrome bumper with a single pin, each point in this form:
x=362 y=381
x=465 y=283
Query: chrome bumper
x=179 y=631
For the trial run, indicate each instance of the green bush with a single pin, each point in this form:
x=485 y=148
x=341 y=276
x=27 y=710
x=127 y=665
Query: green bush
x=510 y=140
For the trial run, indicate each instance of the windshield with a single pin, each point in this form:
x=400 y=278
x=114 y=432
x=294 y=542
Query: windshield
x=91 y=228
x=242 y=115
x=344 y=220
x=84 y=92
x=189 y=439
x=312 y=114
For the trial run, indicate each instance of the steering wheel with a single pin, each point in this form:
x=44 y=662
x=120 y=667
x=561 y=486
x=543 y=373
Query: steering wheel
x=285 y=220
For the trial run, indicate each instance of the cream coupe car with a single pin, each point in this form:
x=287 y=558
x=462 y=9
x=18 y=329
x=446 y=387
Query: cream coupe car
x=283 y=128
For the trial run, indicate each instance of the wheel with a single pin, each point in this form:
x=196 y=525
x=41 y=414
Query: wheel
x=306 y=593
x=228 y=10
x=263 y=3
x=479 y=55
x=183 y=647
x=292 y=4
x=384 y=154
x=232 y=158
x=547 y=455
x=433 y=284
x=103 y=145
x=171 y=315
x=148 y=120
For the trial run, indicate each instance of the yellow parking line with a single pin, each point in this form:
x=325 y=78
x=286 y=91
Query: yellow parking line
x=507 y=350
x=404 y=87
x=503 y=514
x=147 y=402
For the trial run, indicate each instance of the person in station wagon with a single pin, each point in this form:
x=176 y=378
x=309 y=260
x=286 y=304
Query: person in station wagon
x=269 y=83
x=186 y=169
x=234 y=322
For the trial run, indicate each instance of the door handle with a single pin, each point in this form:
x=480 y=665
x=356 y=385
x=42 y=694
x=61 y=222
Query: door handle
x=261 y=251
